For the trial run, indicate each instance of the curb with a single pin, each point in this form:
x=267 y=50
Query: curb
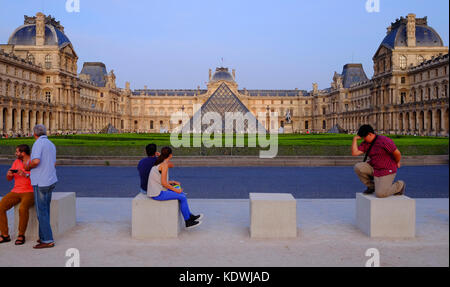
x=234 y=161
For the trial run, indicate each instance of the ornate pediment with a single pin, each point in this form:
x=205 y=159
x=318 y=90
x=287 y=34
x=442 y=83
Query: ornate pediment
x=382 y=51
x=68 y=49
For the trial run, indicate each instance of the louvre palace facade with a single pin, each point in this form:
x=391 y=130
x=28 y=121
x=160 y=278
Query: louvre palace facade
x=39 y=83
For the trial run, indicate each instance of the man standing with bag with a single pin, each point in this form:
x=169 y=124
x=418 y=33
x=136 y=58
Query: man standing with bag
x=42 y=168
x=379 y=173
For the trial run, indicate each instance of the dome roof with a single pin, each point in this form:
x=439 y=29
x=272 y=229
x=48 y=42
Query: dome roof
x=222 y=74
x=425 y=35
x=96 y=71
x=353 y=73
x=26 y=35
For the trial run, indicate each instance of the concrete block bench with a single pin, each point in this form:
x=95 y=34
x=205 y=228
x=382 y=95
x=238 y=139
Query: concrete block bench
x=391 y=217
x=273 y=215
x=62 y=215
x=152 y=219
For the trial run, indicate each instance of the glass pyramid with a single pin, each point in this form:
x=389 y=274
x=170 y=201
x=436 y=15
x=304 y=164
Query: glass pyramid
x=223 y=101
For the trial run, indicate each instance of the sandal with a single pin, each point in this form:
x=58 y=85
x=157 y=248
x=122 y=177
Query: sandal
x=20 y=240
x=5 y=239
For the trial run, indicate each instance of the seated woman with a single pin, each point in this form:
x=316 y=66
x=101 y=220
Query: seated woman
x=160 y=188
x=21 y=193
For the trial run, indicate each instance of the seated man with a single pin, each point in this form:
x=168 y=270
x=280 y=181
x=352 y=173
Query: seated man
x=21 y=193
x=379 y=173
x=146 y=164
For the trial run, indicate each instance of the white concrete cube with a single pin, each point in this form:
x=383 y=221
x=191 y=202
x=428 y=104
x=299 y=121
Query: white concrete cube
x=153 y=219
x=273 y=215
x=62 y=215
x=391 y=217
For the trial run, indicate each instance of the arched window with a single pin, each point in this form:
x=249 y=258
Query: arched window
x=420 y=59
x=403 y=62
x=30 y=58
x=48 y=61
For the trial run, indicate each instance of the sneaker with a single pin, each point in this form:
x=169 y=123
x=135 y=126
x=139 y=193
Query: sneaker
x=196 y=217
x=402 y=191
x=192 y=223
x=369 y=191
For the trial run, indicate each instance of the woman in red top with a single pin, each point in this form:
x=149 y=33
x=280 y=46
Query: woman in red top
x=21 y=193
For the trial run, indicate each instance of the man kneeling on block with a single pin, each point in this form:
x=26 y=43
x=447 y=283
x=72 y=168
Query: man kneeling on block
x=379 y=173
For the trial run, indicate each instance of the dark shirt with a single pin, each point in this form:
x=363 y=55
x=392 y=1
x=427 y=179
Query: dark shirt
x=144 y=167
x=381 y=158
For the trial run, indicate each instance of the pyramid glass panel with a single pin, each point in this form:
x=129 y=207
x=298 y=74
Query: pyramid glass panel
x=224 y=101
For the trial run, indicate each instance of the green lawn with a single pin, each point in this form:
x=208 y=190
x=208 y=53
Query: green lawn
x=289 y=144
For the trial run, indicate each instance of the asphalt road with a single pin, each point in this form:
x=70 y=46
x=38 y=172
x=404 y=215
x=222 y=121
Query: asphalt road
x=238 y=182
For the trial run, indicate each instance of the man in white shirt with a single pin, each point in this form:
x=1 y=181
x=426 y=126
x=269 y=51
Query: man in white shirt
x=42 y=168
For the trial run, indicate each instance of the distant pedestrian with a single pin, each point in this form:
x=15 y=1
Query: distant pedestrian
x=43 y=179
x=379 y=173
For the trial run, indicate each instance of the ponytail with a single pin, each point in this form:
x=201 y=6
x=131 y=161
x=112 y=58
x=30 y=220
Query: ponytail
x=165 y=153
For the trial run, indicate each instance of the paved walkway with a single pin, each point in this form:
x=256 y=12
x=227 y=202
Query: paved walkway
x=327 y=237
x=238 y=182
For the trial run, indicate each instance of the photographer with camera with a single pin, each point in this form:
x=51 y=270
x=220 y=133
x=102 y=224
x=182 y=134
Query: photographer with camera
x=21 y=193
x=379 y=173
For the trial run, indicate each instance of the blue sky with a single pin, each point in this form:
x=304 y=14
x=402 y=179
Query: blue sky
x=282 y=44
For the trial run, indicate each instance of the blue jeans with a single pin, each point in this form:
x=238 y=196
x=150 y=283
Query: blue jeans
x=171 y=195
x=42 y=199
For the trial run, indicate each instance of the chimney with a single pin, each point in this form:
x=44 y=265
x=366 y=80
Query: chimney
x=145 y=87
x=411 y=30
x=234 y=74
x=315 y=88
x=210 y=74
x=127 y=86
x=40 y=29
